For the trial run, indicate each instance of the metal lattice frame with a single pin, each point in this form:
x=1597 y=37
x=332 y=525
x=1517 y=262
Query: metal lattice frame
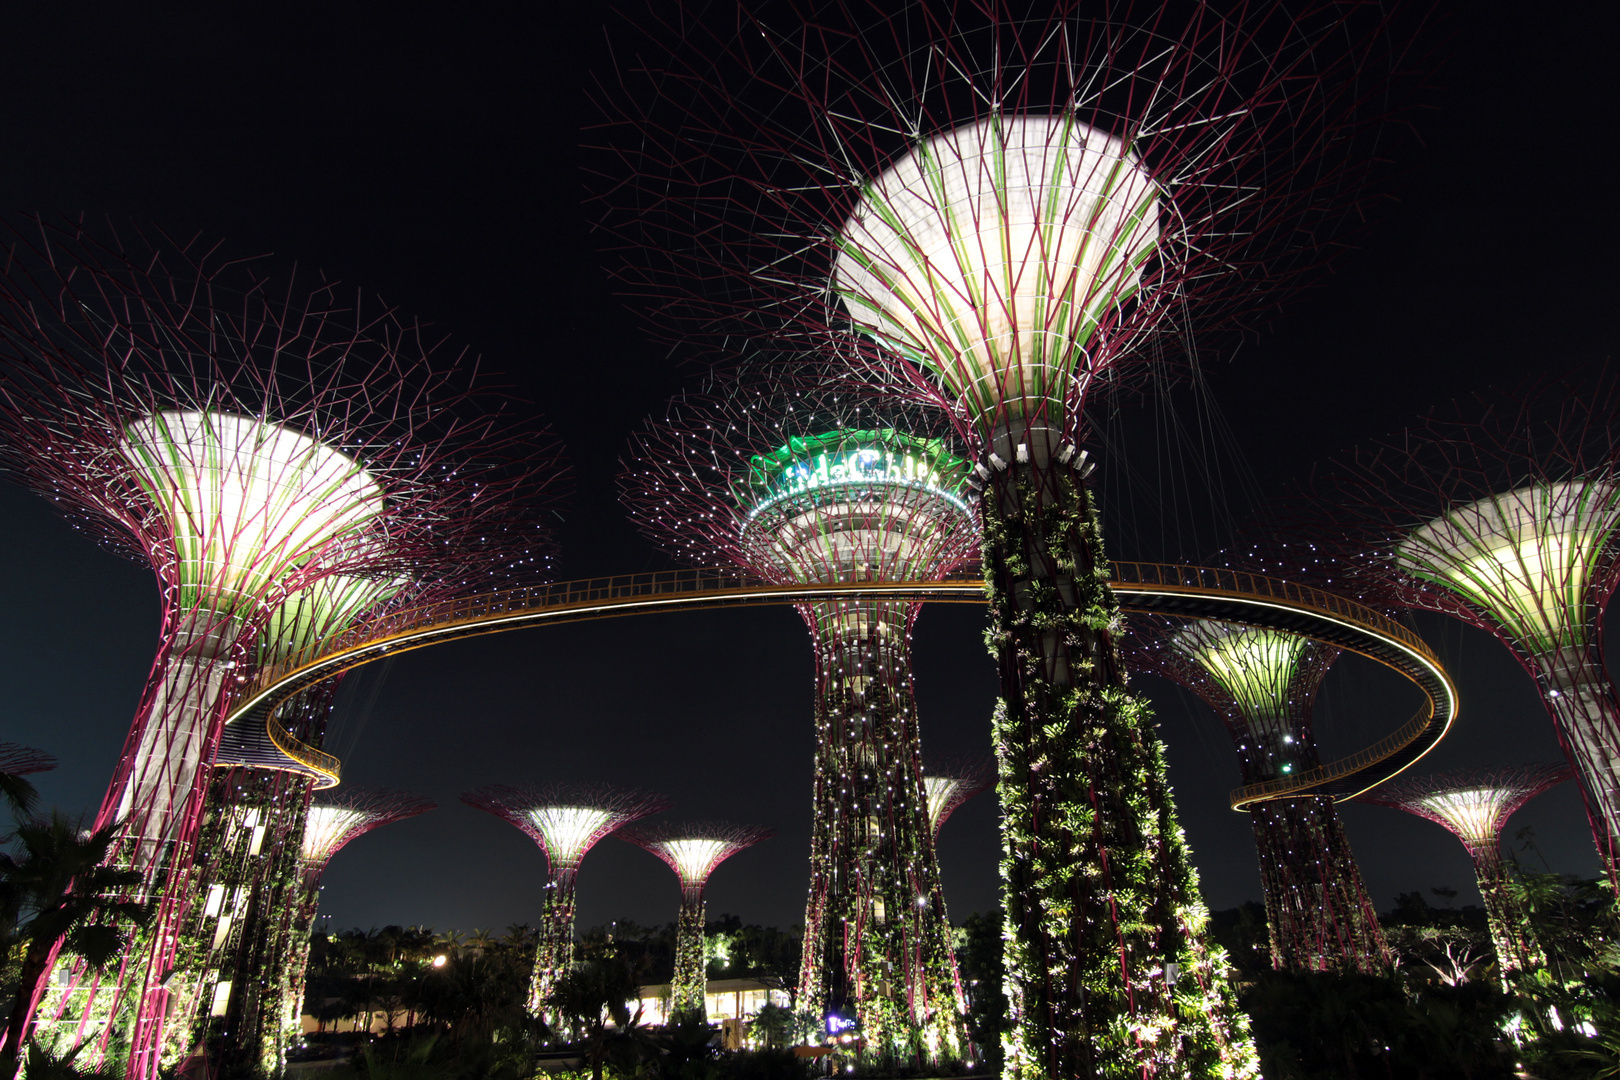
x=1263 y=684
x=819 y=485
x=19 y=760
x=1474 y=805
x=247 y=440
x=693 y=852
x=1504 y=514
x=1008 y=211
x=566 y=821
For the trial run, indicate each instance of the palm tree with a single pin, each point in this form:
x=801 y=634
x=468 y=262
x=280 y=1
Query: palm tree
x=772 y=1026
x=55 y=890
x=17 y=761
x=594 y=998
x=451 y=942
x=18 y=793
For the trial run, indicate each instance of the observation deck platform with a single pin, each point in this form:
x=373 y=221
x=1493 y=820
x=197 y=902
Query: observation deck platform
x=1192 y=592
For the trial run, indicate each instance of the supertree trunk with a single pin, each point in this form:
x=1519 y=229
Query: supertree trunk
x=1317 y=909
x=156 y=799
x=555 y=953
x=240 y=913
x=821 y=973
x=238 y=927
x=875 y=930
x=1108 y=969
x=688 y=991
x=1580 y=697
x=300 y=925
x=1517 y=948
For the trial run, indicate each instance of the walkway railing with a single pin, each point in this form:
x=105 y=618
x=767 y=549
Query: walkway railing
x=1190 y=591
x=1207 y=579
x=327 y=768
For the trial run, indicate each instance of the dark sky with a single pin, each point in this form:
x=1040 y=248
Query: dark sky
x=432 y=158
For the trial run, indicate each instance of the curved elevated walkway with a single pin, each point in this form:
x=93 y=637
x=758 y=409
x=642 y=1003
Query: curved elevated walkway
x=268 y=745
x=1187 y=591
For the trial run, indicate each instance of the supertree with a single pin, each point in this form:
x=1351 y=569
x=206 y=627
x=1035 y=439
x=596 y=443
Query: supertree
x=1009 y=211
x=248 y=846
x=693 y=852
x=948 y=786
x=255 y=812
x=1503 y=513
x=1262 y=683
x=259 y=795
x=566 y=821
x=1474 y=804
x=329 y=825
x=246 y=440
x=818 y=485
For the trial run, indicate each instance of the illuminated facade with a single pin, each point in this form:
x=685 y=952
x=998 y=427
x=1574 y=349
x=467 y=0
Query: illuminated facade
x=1474 y=805
x=1263 y=684
x=1009 y=212
x=566 y=822
x=693 y=852
x=247 y=442
x=806 y=485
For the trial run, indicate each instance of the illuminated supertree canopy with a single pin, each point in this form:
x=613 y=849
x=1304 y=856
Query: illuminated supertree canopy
x=950 y=785
x=1008 y=211
x=330 y=825
x=245 y=439
x=566 y=821
x=1474 y=805
x=1504 y=514
x=693 y=852
x=806 y=484
x=1263 y=685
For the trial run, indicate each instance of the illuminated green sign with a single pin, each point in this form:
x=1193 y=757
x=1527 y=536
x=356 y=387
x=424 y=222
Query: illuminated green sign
x=858 y=458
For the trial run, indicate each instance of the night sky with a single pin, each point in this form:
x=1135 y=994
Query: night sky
x=432 y=158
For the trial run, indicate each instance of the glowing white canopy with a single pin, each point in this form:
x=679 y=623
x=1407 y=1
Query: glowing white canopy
x=245 y=500
x=570 y=831
x=322 y=608
x=1525 y=556
x=990 y=253
x=867 y=539
x=1253 y=665
x=941 y=792
x=1472 y=813
x=694 y=858
x=328 y=828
